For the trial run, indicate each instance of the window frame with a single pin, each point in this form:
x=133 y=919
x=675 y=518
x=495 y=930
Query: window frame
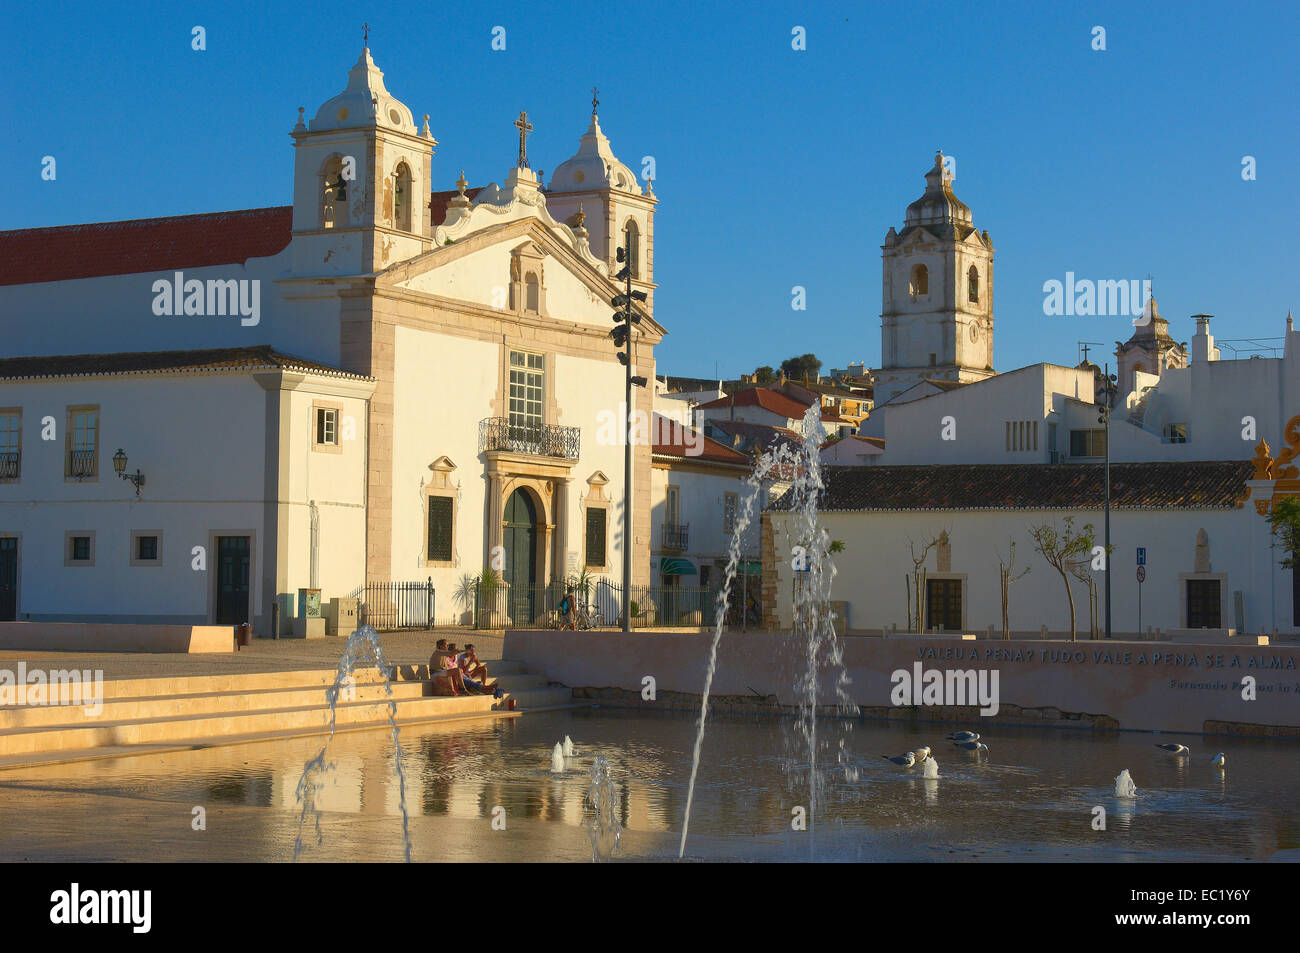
x=70 y=440
x=138 y=534
x=17 y=413
x=449 y=495
x=317 y=407
x=603 y=509
x=68 y=536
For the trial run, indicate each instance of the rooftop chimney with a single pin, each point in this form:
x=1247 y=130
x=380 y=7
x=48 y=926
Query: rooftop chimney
x=1203 y=348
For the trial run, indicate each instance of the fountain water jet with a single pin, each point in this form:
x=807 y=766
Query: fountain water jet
x=569 y=750
x=1124 y=786
x=802 y=469
x=557 y=758
x=362 y=650
x=931 y=769
x=603 y=828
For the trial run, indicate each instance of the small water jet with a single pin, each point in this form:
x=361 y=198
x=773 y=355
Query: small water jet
x=603 y=828
x=569 y=750
x=557 y=758
x=362 y=650
x=1124 y=786
x=931 y=770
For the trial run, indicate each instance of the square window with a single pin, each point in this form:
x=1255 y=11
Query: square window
x=146 y=547
x=79 y=548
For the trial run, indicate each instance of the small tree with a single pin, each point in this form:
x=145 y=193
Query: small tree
x=796 y=367
x=764 y=375
x=1062 y=549
x=1005 y=569
x=916 y=584
x=1285 y=520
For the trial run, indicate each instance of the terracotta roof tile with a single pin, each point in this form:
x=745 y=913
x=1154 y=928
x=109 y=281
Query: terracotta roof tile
x=670 y=441
x=1202 y=485
x=142 y=246
x=764 y=397
x=143 y=362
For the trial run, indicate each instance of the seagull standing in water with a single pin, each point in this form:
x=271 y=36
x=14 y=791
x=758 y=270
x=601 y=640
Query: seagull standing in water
x=1180 y=751
x=978 y=747
x=1217 y=760
x=921 y=754
x=964 y=736
x=903 y=760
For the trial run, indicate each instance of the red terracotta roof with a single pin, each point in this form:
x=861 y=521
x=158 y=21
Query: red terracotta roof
x=141 y=246
x=32 y=255
x=143 y=362
x=764 y=397
x=670 y=440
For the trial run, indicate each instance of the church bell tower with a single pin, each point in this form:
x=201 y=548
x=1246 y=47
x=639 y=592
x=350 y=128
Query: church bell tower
x=937 y=294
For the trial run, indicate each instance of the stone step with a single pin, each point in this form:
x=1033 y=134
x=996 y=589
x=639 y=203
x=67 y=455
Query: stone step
x=313 y=718
x=209 y=684
x=15 y=718
x=542 y=698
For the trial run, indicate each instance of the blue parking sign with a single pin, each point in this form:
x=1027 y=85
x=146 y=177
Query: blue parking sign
x=1142 y=555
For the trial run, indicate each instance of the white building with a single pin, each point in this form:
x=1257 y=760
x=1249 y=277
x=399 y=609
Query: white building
x=367 y=385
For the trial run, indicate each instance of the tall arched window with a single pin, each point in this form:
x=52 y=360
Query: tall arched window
x=920 y=284
x=402 y=197
x=633 y=248
x=973 y=284
x=334 y=194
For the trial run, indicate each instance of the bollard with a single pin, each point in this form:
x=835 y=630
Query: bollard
x=1042 y=632
x=884 y=632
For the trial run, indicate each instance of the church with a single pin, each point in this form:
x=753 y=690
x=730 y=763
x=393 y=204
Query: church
x=202 y=415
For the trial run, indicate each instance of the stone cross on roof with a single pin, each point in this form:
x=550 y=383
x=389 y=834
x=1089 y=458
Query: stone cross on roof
x=525 y=127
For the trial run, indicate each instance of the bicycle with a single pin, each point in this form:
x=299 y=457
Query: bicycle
x=589 y=617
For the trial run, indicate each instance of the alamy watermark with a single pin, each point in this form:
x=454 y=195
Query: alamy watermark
x=1085 y=297
x=211 y=298
x=946 y=687
x=54 y=687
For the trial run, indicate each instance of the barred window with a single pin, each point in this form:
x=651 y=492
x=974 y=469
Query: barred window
x=595 y=536
x=440 y=528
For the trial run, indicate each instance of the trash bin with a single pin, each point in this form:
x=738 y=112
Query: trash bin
x=243 y=635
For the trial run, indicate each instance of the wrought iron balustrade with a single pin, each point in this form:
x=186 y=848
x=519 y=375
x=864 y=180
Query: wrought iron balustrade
x=82 y=463
x=10 y=464
x=675 y=536
x=542 y=440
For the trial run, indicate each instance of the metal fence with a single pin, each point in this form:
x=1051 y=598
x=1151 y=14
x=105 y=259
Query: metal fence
x=599 y=603
x=396 y=605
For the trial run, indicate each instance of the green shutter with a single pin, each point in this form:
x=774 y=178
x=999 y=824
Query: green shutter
x=440 y=529
x=595 y=537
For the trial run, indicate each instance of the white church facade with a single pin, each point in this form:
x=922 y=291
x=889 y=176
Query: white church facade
x=379 y=382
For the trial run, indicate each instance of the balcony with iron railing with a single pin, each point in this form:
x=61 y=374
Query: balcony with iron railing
x=540 y=440
x=10 y=464
x=675 y=536
x=82 y=463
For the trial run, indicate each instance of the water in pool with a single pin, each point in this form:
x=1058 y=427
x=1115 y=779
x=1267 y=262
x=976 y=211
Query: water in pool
x=485 y=790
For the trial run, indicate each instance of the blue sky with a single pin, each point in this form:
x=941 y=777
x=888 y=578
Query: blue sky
x=775 y=167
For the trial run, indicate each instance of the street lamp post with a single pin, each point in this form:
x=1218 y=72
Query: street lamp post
x=1107 y=394
x=624 y=319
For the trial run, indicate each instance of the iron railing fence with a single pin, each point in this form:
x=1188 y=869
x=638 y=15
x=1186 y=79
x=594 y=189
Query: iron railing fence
x=599 y=604
x=676 y=536
x=542 y=440
x=10 y=465
x=396 y=605
x=82 y=463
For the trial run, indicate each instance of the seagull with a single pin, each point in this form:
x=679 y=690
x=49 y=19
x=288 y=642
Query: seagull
x=976 y=746
x=921 y=754
x=964 y=736
x=1179 y=750
x=903 y=761
x=1217 y=760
